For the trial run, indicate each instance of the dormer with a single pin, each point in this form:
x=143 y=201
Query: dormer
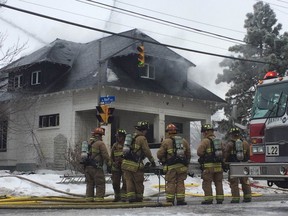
x=42 y=68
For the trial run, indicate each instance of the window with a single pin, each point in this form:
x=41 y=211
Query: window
x=179 y=126
x=35 y=78
x=48 y=120
x=18 y=81
x=3 y=136
x=150 y=134
x=148 y=72
x=270 y=101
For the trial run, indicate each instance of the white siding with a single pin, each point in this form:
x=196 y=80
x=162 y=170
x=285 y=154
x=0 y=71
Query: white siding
x=78 y=117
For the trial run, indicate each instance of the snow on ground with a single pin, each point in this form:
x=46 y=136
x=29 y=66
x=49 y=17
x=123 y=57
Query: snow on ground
x=10 y=185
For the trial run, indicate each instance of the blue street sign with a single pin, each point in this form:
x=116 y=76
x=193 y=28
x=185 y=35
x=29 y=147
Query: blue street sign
x=107 y=99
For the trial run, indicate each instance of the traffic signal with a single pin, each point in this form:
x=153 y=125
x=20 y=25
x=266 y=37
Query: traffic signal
x=110 y=117
x=141 y=56
x=104 y=114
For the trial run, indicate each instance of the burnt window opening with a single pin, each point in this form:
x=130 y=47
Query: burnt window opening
x=49 y=121
x=3 y=136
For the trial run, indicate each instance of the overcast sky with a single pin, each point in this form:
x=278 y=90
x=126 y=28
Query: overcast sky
x=222 y=17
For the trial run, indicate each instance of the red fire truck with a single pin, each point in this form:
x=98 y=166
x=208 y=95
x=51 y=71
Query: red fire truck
x=268 y=133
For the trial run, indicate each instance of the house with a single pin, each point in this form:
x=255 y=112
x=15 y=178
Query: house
x=50 y=103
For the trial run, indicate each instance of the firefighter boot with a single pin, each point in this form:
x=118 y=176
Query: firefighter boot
x=117 y=199
x=89 y=199
x=219 y=201
x=182 y=202
x=207 y=202
x=246 y=200
x=132 y=200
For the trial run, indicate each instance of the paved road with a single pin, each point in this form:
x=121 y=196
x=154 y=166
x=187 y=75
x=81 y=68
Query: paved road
x=274 y=204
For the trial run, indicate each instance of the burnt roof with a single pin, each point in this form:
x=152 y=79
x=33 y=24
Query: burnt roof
x=81 y=60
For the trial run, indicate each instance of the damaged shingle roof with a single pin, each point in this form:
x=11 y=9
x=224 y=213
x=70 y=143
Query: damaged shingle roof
x=59 y=51
x=82 y=65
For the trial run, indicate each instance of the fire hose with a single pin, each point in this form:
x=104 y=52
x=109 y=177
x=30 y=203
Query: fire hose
x=45 y=186
x=74 y=201
x=267 y=187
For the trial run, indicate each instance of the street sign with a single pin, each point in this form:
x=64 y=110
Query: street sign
x=107 y=99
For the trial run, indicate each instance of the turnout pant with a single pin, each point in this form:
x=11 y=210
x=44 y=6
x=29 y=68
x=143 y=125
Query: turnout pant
x=234 y=185
x=120 y=192
x=95 y=178
x=209 y=176
x=175 y=186
x=135 y=185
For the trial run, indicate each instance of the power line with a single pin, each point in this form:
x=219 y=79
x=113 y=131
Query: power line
x=23 y=30
x=177 y=25
x=146 y=18
x=77 y=14
x=130 y=37
x=110 y=16
x=277 y=5
x=283 y=1
x=166 y=14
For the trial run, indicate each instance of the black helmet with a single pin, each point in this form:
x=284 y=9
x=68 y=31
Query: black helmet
x=142 y=125
x=234 y=130
x=206 y=127
x=121 y=132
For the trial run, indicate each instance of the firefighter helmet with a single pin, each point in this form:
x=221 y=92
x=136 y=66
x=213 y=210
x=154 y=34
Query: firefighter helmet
x=171 y=129
x=121 y=132
x=206 y=127
x=234 y=130
x=99 y=131
x=142 y=125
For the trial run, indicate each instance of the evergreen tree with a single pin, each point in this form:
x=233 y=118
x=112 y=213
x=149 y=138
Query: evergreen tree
x=263 y=43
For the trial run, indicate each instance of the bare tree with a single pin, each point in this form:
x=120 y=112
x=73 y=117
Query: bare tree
x=8 y=54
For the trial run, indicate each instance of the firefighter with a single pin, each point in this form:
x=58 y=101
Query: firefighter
x=237 y=150
x=94 y=173
x=135 y=150
x=210 y=159
x=175 y=154
x=116 y=171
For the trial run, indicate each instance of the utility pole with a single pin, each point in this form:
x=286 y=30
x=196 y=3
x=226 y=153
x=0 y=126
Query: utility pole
x=99 y=83
x=101 y=73
x=101 y=79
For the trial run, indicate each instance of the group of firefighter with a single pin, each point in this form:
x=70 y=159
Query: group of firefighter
x=125 y=163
